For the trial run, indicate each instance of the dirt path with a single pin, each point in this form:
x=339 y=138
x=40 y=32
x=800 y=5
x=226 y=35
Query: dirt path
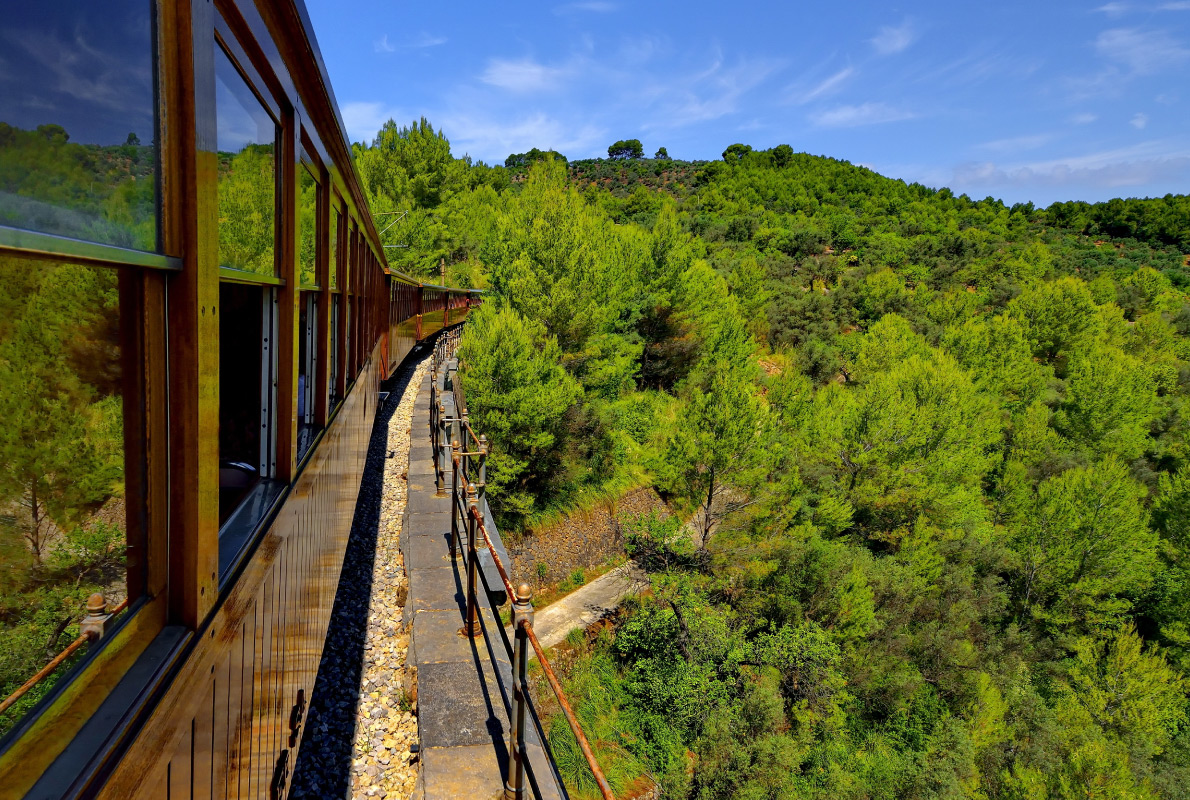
x=588 y=604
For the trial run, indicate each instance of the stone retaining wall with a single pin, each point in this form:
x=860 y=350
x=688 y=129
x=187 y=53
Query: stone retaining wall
x=584 y=539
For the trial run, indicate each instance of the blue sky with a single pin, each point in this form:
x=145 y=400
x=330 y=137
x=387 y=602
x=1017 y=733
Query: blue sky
x=1040 y=101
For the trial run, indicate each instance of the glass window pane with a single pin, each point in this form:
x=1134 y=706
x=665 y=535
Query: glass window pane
x=307 y=227
x=307 y=370
x=78 y=153
x=334 y=234
x=247 y=138
x=63 y=511
x=332 y=389
x=247 y=368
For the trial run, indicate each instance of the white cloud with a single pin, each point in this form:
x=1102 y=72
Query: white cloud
x=593 y=6
x=1113 y=9
x=419 y=42
x=493 y=137
x=1016 y=144
x=1181 y=5
x=424 y=40
x=364 y=119
x=1085 y=118
x=1139 y=121
x=890 y=40
x=707 y=94
x=1142 y=52
x=1142 y=164
x=854 y=116
x=524 y=75
x=825 y=86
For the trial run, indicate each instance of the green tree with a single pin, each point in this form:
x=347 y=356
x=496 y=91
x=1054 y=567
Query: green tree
x=735 y=152
x=1084 y=544
x=626 y=149
x=518 y=395
x=782 y=155
x=661 y=155
x=1129 y=691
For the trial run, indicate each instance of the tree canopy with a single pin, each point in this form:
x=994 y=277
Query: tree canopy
x=926 y=460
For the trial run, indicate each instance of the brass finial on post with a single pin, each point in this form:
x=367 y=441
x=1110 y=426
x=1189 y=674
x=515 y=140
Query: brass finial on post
x=94 y=624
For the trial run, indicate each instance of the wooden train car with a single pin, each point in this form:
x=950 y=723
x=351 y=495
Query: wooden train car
x=195 y=321
x=419 y=310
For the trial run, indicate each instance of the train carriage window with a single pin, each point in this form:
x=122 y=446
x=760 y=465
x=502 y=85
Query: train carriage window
x=247 y=392
x=247 y=186
x=332 y=388
x=307 y=370
x=248 y=318
x=67 y=501
x=334 y=261
x=307 y=227
x=78 y=150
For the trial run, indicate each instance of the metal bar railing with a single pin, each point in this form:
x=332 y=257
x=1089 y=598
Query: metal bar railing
x=468 y=484
x=92 y=629
x=523 y=627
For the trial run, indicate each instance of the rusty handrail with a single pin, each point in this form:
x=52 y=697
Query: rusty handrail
x=86 y=636
x=604 y=788
x=466 y=505
x=474 y=512
x=546 y=667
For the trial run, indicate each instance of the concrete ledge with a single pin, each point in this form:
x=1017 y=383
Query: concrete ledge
x=450 y=773
x=467 y=704
x=435 y=589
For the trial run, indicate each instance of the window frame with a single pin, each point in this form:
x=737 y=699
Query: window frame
x=50 y=727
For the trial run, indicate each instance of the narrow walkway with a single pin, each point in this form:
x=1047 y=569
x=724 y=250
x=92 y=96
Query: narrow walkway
x=588 y=604
x=463 y=684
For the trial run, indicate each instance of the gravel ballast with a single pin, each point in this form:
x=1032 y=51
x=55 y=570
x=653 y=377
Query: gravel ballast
x=360 y=727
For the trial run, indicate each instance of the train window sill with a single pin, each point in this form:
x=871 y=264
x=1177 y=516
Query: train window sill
x=86 y=760
x=245 y=523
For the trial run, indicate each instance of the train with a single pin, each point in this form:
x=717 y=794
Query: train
x=201 y=311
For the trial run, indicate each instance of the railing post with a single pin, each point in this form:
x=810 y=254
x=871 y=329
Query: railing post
x=522 y=616
x=454 y=500
x=471 y=626
x=440 y=471
x=433 y=417
x=483 y=468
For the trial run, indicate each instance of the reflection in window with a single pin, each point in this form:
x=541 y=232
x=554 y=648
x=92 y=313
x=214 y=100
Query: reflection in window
x=332 y=389
x=62 y=503
x=334 y=261
x=307 y=370
x=247 y=138
x=307 y=227
x=78 y=155
x=247 y=372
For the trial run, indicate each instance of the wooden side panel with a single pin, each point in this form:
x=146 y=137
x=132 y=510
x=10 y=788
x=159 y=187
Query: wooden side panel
x=225 y=720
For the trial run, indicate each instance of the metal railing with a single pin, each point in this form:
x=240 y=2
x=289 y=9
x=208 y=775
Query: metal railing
x=92 y=628
x=468 y=484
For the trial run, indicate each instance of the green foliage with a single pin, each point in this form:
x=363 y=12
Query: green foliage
x=1084 y=543
x=926 y=458
x=61 y=459
x=517 y=394
x=625 y=149
x=247 y=205
x=100 y=194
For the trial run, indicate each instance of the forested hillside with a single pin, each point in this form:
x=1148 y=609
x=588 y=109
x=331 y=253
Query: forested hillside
x=934 y=453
